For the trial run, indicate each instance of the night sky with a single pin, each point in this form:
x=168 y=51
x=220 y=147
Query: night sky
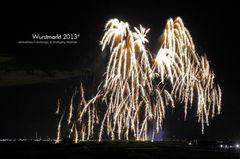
x=33 y=76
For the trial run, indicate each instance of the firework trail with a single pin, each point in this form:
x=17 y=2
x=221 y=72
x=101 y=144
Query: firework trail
x=133 y=96
x=59 y=129
x=58 y=105
x=78 y=130
x=70 y=110
x=75 y=134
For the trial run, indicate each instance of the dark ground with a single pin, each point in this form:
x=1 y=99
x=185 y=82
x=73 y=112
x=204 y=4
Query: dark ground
x=143 y=150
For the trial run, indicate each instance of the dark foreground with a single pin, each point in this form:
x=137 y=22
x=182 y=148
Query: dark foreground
x=124 y=150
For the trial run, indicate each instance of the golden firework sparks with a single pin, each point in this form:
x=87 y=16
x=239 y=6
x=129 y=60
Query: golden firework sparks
x=128 y=84
x=134 y=99
x=189 y=73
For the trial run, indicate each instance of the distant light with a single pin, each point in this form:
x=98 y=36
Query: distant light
x=221 y=145
x=237 y=146
x=226 y=146
x=190 y=143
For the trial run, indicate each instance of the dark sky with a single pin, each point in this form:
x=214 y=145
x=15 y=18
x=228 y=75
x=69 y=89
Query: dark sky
x=27 y=106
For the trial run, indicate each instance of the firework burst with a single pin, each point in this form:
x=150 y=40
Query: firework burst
x=189 y=73
x=128 y=86
x=133 y=92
